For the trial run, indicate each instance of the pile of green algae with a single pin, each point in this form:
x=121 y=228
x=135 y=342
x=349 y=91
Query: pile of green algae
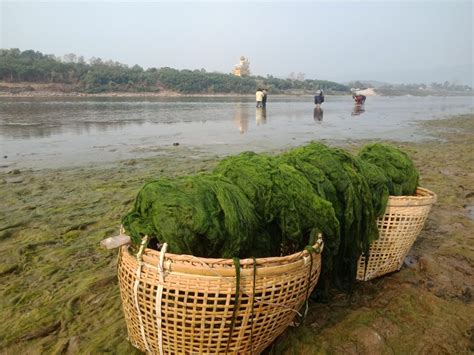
x=255 y=205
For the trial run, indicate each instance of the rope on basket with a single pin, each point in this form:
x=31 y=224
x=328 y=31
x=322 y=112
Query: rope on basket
x=135 y=290
x=236 y=301
x=159 y=295
x=310 y=251
x=252 y=314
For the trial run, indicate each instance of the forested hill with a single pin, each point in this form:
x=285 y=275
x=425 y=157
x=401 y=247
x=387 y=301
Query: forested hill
x=97 y=76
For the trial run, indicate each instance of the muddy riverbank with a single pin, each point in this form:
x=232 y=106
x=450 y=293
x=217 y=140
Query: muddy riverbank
x=45 y=90
x=59 y=293
x=51 y=90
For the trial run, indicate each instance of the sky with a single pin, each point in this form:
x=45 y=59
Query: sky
x=404 y=41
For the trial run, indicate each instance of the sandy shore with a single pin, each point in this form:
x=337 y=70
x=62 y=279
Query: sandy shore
x=59 y=290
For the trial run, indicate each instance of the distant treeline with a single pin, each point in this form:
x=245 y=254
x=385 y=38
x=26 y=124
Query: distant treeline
x=97 y=76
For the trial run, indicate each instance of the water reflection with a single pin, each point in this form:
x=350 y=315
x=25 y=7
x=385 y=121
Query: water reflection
x=261 y=116
x=358 y=110
x=25 y=130
x=43 y=119
x=318 y=114
x=28 y=130
x=241 y=117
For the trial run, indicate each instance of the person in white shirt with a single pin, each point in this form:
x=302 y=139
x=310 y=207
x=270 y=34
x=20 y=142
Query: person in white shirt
x=259 y=97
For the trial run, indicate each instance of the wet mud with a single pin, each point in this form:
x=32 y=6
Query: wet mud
x=59 y=292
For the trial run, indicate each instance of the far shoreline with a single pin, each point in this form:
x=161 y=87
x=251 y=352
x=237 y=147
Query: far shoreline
x=164 y=94
x=172 y=94
x=44 y=90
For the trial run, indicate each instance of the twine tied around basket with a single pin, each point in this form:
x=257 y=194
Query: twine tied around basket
x=310 y=251
x=158 y=296
x=135 y=290
x=236 y=301
x=252 y=314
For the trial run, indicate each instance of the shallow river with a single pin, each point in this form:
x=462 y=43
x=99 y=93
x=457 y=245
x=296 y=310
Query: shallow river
x=41 y=133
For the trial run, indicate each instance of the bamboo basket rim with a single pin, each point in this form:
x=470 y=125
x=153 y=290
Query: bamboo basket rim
x=190 y=264
x=422 y=197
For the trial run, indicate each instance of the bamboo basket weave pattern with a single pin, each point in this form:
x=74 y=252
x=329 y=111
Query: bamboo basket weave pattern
x=402 y=222
x=184 y=304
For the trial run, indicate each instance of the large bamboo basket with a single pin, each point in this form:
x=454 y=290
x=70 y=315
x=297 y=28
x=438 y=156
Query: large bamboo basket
x=185 y=304
x=402 y=222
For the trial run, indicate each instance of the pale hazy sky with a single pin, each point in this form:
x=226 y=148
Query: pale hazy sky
x=404 y=41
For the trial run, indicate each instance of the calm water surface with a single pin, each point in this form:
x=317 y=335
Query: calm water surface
x=40 y=133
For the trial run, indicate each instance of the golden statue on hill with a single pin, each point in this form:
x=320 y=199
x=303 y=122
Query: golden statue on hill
x=242 y=69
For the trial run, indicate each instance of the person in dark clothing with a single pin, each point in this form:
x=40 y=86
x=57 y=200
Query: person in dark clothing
x=264 y=99
x=319 y=98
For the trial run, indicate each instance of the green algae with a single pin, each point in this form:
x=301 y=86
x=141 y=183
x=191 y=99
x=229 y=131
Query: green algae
x=254 y=205
x=395 y=164
x=284 y=199
x=340 y=177
x=202 y=215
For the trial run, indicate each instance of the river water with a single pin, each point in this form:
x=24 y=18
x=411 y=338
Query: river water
x=57 y=132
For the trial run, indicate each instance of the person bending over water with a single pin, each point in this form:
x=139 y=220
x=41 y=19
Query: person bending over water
x=359 y=99
x=319 y=98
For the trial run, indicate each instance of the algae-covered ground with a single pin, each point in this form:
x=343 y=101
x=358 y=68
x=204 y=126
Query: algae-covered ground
x=59 y=293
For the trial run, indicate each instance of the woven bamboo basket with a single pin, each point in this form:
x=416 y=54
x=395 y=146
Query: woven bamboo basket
x=185 y=304
x=402 y=222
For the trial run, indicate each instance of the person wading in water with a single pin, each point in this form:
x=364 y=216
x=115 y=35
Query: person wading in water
x=319 y=98
x=259 y=97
